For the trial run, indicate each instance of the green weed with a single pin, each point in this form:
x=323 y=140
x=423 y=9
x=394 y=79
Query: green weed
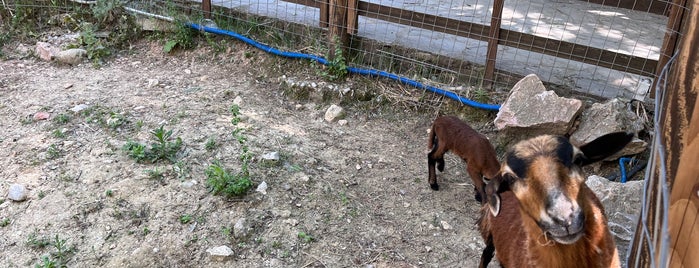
x=61 y=119
x=5 y=222
x=210 y=144
x=154 y=174
x=337 y=64
x=186 y=218
x=305 y=237
x=183 y=38
x=222 y=182
x=53 y=152
x=57 y=133
x=164 y=147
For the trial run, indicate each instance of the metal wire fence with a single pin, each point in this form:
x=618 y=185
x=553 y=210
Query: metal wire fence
x=652 y=237
x=601 y=50
x=607 y=51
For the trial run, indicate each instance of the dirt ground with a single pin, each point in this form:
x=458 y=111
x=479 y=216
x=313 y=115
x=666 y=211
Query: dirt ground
x=353 y=195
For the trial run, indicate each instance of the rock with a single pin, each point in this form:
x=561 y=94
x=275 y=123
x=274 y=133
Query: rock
x=220 y=253
x=238 y=101
x=445 y=225
x=342 y=122
x=17 y=192
x=41 y=116
x=532 y=107
x=334 y=113
x=262 y=188
x=240 y=229
x=604 y=118
x=622 y=203
x=273 y=156
x=46 y=51
x=71 y=56
x=152 y=82
x=79 y=107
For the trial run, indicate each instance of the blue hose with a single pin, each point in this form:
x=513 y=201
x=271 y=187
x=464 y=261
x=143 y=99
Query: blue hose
x=371 y=73
x=622 y=167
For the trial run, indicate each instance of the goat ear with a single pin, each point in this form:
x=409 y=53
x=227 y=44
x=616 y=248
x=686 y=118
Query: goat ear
x=494 y=204
x=603 y=147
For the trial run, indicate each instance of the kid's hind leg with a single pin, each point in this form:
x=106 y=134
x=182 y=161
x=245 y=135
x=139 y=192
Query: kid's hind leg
x=431 y=162
x=435 y=157
x=478 y=183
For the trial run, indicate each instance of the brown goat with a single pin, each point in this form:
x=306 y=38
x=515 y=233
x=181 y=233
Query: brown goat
x=450 y=133
x=540 y=211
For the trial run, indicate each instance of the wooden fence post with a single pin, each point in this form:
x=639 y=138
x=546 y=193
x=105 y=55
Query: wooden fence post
x=352 y=17
x=679 y=131
x=206 y=7
x=493 y=40
x=337 y=30
x=674 y=22
x=324 y=13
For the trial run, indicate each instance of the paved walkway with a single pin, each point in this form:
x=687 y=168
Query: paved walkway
x=620 y=30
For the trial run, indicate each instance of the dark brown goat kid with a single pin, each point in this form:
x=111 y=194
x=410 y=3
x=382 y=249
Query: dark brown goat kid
x=540 y=212
x=450 y=133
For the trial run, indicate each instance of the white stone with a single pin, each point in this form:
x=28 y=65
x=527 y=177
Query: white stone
x=17 y=192
x=262 y=188
x=334 y=113
x=220 y=253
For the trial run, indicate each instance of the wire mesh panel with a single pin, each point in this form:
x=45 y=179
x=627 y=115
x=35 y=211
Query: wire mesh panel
x=607 y=51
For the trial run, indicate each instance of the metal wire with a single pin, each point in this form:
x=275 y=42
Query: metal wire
x=657 y=240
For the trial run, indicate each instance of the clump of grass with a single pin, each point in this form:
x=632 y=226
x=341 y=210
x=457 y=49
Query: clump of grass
x=155 y=174
x=57 y=133
x=62 y=119
x=5 y=222
x=186 y=218
x=53 y=152
x=223 y=182
x=210 y=144
x=164 y=147
x=305 y=237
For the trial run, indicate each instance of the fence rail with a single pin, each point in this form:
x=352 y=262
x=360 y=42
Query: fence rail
x=607 y=58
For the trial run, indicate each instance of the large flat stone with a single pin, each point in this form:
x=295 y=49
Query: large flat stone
x=531 y=107
x=604 y=118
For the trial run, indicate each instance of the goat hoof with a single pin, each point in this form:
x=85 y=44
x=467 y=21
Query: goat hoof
x=434 y=187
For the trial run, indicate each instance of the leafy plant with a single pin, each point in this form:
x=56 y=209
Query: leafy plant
x=53 y=152
x=107 y=10
x=182 y=38
x=58 y=133
x=210 y=144
x=155 y=174
x=5 y=222
x=186 y=218
x=95 y=47
x=62 y=118
x=222 y=182
x=337 y=64
x=305 y=237
x=164 y=147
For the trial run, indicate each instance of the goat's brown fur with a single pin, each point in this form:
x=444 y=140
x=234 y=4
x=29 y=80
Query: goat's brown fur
x=546 y=215
x=450 y=133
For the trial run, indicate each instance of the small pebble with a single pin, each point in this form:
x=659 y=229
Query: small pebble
x=17 y=192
